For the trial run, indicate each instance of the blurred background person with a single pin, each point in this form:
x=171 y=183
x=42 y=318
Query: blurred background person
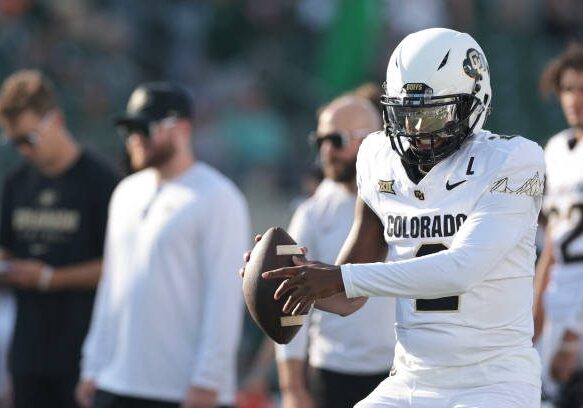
x=52 y=229
x=258 y=369
x=168 y=312
x=559 y=294
x=348 y=356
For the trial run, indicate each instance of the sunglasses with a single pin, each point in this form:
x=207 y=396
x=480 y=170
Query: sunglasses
x=25 y=139
x=126 y=130
x=30 y=138
x=338 y=139
x=144 y=129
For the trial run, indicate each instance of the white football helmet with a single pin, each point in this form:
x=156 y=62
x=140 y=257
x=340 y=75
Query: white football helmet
x=436 y=94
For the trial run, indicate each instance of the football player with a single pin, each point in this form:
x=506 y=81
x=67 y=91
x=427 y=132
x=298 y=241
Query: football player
x=560 y=269
x=456 y=208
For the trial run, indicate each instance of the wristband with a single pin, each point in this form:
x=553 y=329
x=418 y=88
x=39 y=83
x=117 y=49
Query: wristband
x=44 y=280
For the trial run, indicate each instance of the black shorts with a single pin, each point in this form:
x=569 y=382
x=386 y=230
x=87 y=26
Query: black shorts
x=105 y=399
x=331 y=389
x=55 y=391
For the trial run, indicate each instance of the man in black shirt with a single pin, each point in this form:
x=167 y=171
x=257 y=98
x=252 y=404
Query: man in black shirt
x=52 y=226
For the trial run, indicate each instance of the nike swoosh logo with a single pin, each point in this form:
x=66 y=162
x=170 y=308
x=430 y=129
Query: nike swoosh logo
x=454 y=185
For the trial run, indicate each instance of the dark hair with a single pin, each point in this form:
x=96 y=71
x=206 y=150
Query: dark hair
x=26 y=90
x=571 y=58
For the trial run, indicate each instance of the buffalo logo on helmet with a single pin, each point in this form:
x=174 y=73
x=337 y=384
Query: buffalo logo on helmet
x=475 y=64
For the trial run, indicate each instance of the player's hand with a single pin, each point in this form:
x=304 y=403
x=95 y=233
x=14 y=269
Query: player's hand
x=84 y=393
x=306 y=282
x=247 y=256
x=198 y=397
x=23 y=273
x=297 y=398
x=565 y=359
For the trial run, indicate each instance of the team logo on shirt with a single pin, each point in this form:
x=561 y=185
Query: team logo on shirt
x=386 y=186
x=451 y=186
x=533 y=186
x=47 y=197
x=419 y=194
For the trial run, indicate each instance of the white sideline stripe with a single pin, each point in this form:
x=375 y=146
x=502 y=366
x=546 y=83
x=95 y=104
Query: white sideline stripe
x=288 y=250
x=292 y=320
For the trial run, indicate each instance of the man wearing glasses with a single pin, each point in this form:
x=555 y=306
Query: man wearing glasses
x=54 y=212
x=167 y=318
x=348 y=357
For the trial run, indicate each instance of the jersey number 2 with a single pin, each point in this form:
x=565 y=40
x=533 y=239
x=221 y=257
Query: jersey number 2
x=570 y=256
x=445 y=304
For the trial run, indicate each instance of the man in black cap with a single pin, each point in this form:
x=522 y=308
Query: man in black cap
x=167 y=317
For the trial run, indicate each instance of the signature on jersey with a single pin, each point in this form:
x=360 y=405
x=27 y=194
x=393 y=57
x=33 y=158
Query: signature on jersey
x=533 y=186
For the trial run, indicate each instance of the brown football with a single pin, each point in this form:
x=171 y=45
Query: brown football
x=273 y=251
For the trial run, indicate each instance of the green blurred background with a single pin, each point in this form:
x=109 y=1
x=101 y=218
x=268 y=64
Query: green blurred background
x=260 y=68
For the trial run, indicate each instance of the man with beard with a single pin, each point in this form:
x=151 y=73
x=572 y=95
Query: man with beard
x=348 y=357
x=167 y=317
x=560 y=268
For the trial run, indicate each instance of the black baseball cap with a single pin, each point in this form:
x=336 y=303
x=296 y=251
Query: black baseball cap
x=154 y=101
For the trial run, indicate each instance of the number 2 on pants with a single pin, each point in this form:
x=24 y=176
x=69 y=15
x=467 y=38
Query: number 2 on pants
x=444 y=304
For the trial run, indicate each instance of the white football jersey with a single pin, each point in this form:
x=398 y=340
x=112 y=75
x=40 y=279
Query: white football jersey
x=563 y=205
x=462 y=242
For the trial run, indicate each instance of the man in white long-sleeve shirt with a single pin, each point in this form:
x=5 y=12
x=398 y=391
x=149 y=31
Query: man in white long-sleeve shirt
x=456 y=207
x=167 y=318
x=348 y=357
